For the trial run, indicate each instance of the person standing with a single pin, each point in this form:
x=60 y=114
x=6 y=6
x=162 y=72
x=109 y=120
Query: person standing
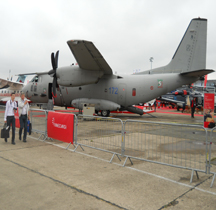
x=193 y=106
x=150 y=107
x=23 y=116
x=11 y=108
x=183 y=107
x=155 y=104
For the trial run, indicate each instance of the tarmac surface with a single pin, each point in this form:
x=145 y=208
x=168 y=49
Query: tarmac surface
x=43 y=175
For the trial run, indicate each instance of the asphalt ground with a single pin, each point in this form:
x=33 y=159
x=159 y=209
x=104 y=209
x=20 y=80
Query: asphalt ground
x=43 y=175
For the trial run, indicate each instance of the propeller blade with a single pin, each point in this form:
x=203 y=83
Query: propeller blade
x=56 y=59
x=53 y=61
x=54 y=86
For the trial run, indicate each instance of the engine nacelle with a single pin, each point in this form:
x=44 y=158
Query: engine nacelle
x=74 y=76
x=99 y=104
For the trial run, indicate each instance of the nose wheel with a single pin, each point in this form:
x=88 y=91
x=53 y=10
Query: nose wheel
x=105 y=113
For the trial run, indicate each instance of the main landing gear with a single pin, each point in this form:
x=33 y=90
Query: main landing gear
x=105 y=113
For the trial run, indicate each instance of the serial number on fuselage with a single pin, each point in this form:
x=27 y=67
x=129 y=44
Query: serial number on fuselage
x=113 y=90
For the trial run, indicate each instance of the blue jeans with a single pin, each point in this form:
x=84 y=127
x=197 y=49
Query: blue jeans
x=11 y=120
x=23 y=124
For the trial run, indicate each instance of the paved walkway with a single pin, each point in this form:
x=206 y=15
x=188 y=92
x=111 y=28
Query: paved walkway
x=37 y=175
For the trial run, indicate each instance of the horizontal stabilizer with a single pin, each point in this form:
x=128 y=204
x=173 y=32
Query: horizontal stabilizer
x=197 y=73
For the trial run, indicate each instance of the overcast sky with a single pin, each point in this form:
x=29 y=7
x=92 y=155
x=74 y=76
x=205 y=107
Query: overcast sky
x=126 y=32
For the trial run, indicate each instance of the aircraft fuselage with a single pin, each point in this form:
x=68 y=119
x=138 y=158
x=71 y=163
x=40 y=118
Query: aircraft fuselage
x=125 y=91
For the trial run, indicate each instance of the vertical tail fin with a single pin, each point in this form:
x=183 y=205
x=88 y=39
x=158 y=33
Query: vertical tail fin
x=191 y=52
x=21 y=78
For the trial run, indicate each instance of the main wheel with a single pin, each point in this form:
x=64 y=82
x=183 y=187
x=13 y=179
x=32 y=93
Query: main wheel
x=105 y=113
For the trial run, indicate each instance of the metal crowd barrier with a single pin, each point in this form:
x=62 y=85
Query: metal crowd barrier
x=38 y=118
x=39 y=122
x=212 y=153
x=102 y=133
x=2 y=111
x=182 y=146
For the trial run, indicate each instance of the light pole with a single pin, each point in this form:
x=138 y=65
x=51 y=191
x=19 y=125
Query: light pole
x=151 y=60
x=9 y=74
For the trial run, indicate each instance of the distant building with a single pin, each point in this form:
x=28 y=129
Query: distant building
x=211 y=83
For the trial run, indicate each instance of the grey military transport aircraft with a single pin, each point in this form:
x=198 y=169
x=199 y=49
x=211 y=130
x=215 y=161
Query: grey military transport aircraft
x=92 y=81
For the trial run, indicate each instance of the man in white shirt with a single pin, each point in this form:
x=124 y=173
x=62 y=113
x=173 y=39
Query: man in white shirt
x=23 y=116
x=11 y=107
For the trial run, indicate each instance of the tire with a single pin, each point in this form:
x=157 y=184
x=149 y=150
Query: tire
x=105 y=113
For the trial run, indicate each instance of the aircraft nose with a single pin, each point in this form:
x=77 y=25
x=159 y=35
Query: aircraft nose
x=25 y=90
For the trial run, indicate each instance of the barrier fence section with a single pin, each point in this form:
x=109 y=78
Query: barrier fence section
x=212 y=153
x=38 y=118
x=2 y=111
x=105 y=134
x=182 y=146
x=69 y=111
x=39 y=122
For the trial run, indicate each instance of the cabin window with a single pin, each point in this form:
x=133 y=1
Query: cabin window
x=35 y=88
x=35 y=79
x=134 y=92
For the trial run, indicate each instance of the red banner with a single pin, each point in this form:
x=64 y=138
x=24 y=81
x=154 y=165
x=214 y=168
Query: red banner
x=17 y=122
x=205 y=81
x=60 y=126
x=208 y=109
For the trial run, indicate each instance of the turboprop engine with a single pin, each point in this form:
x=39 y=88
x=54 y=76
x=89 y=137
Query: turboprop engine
x=74 y=76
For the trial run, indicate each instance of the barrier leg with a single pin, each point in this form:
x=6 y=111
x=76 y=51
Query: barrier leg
x=118 y=157
x=197 y=175
x=191 y=179
x=77 y=147
x=213 y=180
x=68 y=145
x=40 y=136
x=114 y=156
x=47 y=138
x=126 y=161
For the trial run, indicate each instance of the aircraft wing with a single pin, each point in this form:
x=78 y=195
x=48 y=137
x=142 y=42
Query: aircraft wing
x=7 y=83
x=5 y=99
x=171 y=100
x=88 y=57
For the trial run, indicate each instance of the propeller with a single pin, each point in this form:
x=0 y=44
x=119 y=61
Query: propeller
x=54 y=61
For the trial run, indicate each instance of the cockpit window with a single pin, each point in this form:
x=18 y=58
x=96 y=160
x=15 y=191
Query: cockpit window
x=35 y=79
